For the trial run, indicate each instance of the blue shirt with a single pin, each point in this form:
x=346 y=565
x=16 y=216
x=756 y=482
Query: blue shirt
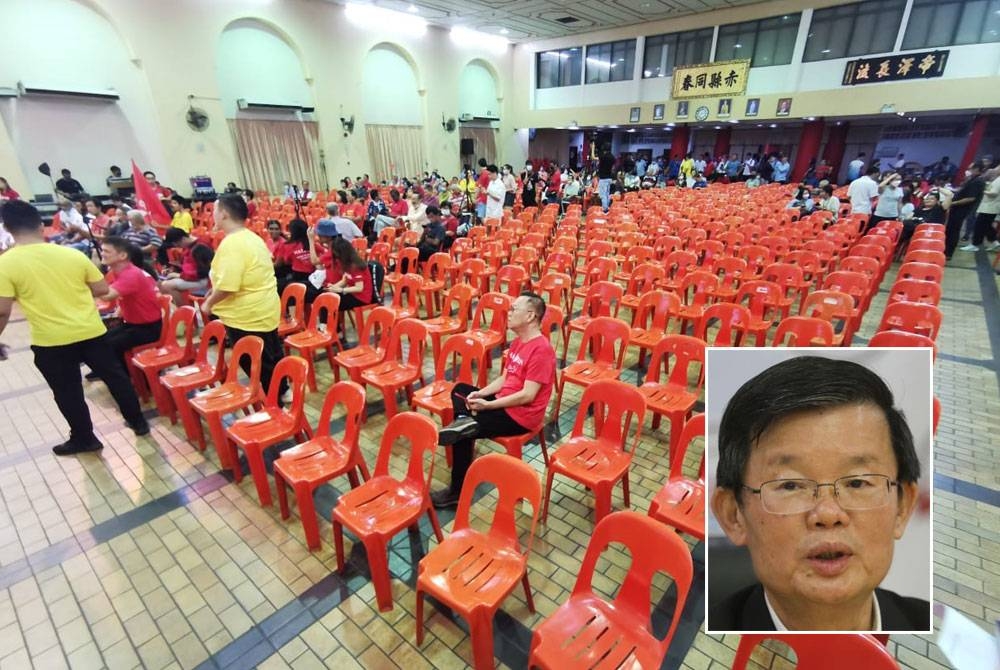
x=781 y=170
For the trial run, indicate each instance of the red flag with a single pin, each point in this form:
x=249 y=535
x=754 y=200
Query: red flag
x=146 y=198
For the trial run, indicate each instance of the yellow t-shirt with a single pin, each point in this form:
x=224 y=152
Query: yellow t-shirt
x=242 y=265
x=51 y=284
x=183 y=221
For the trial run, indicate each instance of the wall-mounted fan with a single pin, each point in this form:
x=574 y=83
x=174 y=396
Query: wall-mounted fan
x=197 y=119
x=449 y=125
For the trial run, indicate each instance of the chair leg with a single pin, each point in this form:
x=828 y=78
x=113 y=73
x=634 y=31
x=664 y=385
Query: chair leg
x=307 y=511
x=602 y=503
x=548 y=494
x=481 y=632
x=310 y=356
x=527 y=592
x=190 y=420
x=435 y=524
x=338 y=543
x=389 y=394
x=625 y=490
x=282 y=486
x=255 y=457
x=559 y=393
x=420 y=615
x=541 y=442
x=378 y=564
x=221 y=442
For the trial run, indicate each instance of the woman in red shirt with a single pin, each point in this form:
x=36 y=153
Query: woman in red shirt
x=6 y=192
x=398 y=206
x=274 y=240
x=294 y=263
x=355 y=285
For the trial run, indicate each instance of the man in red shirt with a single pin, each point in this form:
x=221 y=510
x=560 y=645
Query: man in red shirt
x=136 y=294
x=482 y=183
x=512 y=404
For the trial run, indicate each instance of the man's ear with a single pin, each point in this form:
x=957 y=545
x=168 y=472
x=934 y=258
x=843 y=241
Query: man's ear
x=729 y=515
x=909 y=494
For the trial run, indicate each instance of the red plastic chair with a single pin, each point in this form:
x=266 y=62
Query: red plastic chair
x=667 y=389
x=677 y=264
x=453 y=318
x=915 y=290
x=803 y=331
x=730 y=270
x=588 y=631
x=371 y=345
x=272 y=424
x=554 y=321
x=555 y=288
x=473 y=572
x=393 y=373
x=823 y=652
x=681 y=501
x=293 y=310
x=470 y=369
x=474 y=272
x=836 y=307
x=312 y=338
x=924 y=271
x=437 y=270
x=651 y=320
x=409 y=254
x=792 y=281
x=866 y=265
x=733 y=322
x=606 y=339
x=406 y=297
x=859 y=287
x=324 y=457
x=764 y=300
x=604 y=298
x=604 y=460
x=899 y=338
x=200 y=374
x=695 y=291
x=642 y=280
x=151 y=362
x=597 y=270
x=919 y=256
x=911 y=317
x=382 y=506
x=231 y=396
x=138 y=379
x=511 y=280
x=489 y=326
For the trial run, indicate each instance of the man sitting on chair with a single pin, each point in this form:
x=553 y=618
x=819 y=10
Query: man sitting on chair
x=512 y=404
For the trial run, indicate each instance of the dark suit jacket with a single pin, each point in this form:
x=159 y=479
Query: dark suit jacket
x=746 y=610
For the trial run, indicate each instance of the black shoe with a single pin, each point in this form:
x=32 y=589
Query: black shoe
x=462 y=428
x=444 y=499
x=70 y=448
x=140 y=427
x=92 y=376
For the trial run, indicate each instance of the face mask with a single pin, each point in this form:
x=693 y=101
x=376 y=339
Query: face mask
x=527 y=168
x=895 y=184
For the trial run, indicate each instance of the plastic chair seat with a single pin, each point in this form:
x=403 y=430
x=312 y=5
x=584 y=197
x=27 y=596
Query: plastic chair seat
x=588 y=372
x=391 y=373
x=262 y=426
x=383 y=506
x=316 y=461
x=443 y=325
x=590 y=461
x=224 y=399
x=667 y=398
x=475 y=569
x=514 y=444
x=189 y=377
x=310 y=339
x=357 y=359
x=157 y=359
x=645 y=338
x=681 y=504
x=287 y=327
x=490 y=339
x=436 y=399
x=593 y=634
x=631 y=301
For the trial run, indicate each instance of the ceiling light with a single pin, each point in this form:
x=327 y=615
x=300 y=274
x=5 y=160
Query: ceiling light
x=387 y=19
x=504 y=31
x=810 y=118
x=412 y=9
x=473 y=38
x=737 y=46
x=774 y=125
x=670 y=125
x=630 y=130
x=612 y=126
x=825 y=51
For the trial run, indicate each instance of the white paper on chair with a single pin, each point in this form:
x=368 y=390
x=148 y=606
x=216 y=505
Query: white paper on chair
x=966 y=645
x=318 y=278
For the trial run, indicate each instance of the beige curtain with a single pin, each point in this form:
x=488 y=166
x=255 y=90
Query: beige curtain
x=273 y=152
x=485 y=142
x=396 y=151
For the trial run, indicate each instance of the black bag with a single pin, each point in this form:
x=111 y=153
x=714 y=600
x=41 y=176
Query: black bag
x=378 y=277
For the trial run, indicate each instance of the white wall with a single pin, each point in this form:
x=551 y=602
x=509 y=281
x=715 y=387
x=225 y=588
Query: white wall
x=477 y=91
x=255 y=63
x=389 y=89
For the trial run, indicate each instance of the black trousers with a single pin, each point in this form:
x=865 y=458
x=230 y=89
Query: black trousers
x=273 y=352
x=129 y=335
x=953 y=230
x=60 y=366
x=350 y=301
x=491 y=423
x=984 y=228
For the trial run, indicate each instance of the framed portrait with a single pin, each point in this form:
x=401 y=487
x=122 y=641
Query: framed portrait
x=784 y=107
x=753 y=107
x=657 y=112
x=633 y=115
x=682 y=109
x=725 y=108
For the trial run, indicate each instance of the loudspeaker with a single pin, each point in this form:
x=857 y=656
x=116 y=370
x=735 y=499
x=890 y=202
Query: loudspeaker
x=468 y=146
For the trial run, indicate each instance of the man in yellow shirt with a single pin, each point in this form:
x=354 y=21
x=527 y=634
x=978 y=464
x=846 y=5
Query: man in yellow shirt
x=244 y=292
x=182 y=213
x=55 y=286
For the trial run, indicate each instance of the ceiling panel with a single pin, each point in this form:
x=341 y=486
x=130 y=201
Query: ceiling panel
x=529 y=20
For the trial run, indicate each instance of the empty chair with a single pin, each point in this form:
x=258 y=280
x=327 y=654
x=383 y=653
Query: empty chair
x=924 y=271
x=394 y=372
x=911 y=317
x=601 y=461
x=651 y=320
x=436 y=272
x=834 y=306
x=232 y=395
x=915 y=290
x=293 y=309
x=732 y=320
x=372 y=341
x=151 y=362
x=511 y=280
x=271 y=424
x=667 y=390
x=489 y=325
x=320 y=459
x=308 y=341
x=473 y=572
x=730 y=271
x=803 y=331
x=603 y=299
x=605 y=340
x=555 y=287
x=901 y=338
x=453 y=318
x=201 y=373
x=681 y=501
x=381 y=507
x=764 y=301
x=406 y=297
x=924 y=256
x=823 y=652
x=640 y=281
x=695 y=290
x=588 y=631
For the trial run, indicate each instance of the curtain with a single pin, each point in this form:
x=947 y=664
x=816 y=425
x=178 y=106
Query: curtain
x=485 y=142
x=273 y=152
x=396 y=150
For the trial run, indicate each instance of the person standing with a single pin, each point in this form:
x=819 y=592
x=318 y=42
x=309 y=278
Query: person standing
x=529 y=184
x=605 y=172
x=962 y=204
x=855 y=167
x=55 y=287
x=512 y=404
x=780 y=167
x=861 y=192
x=509 y=185
x=244 y=291
x=495 y=193
x=890 y=200
x=986 y=214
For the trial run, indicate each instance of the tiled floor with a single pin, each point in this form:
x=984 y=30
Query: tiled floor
x=145 y=555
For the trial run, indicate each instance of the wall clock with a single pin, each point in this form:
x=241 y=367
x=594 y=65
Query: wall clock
x=701 y=113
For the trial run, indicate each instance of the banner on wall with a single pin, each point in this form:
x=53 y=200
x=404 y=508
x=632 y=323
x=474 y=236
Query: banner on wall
x=903 y=67
x=724 y=79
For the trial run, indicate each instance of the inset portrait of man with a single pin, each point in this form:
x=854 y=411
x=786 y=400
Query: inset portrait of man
x=817 y=478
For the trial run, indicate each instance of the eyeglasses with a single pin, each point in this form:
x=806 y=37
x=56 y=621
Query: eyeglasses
x=854 y=492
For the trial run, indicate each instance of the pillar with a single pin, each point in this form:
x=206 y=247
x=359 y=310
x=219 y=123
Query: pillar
x=722 y=141
x=972 y=146
x=836 y=144
x=679 y=140
x=808 y=149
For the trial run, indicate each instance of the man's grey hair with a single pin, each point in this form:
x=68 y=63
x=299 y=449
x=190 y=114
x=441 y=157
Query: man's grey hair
x=137 y=215
x=332 y=209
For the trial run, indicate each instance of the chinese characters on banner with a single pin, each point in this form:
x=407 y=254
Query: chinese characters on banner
x=724 y=79
x=902 y=67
